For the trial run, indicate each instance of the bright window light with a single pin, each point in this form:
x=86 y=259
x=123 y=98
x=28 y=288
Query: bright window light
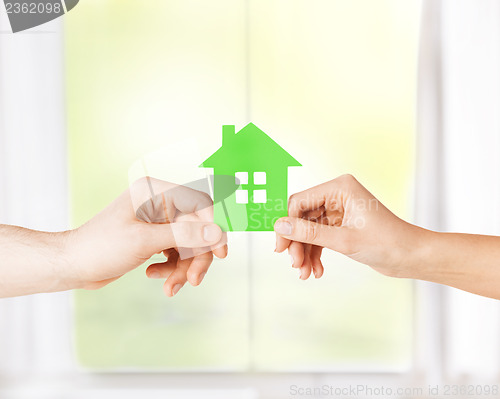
x=351 y=318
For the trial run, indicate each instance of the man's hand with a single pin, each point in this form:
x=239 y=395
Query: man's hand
x=115 y=242
x=179 y=221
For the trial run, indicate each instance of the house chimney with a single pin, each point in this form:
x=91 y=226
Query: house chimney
x=228 y=131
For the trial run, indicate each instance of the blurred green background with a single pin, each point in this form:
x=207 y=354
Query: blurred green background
x=332 y=81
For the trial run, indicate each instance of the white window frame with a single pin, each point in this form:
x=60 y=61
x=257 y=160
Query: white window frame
x=36 y=331
x=241 y=194
x=447 y=83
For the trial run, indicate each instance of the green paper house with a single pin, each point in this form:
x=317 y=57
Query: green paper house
x=258 y=168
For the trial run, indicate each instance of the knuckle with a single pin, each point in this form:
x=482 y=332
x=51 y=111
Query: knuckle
x=294 y=203
x=311 y=232
x=205 y=200
x=192 y=278
x=347 y=178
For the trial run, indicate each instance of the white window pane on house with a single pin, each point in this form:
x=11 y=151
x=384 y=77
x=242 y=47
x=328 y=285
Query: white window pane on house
x=241 y=178
x=242 y=196
x=259 y=178
x=331 y=72
x=259 y=196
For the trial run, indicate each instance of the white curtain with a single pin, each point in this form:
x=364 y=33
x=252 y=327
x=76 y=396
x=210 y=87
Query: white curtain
x=458 y=179
x=33 y=186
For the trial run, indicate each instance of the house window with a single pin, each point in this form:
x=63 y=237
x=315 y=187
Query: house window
x=258 y=196
x=242 y=196
x=241 y=178
x=259 y=178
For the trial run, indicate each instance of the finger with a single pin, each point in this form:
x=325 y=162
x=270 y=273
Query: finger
x=160 y=270
x=221 y=252
x=308 y=200
x=296 y=251
x=190 y=202
x=198 y=268
x=164 y=269
x=314 y=214
x=178 y=277
x=330 y=195
x=281 y=244
x=317 y=265
x=168 y=197
x=158 y=237
x=218 y=249
x=168 y=252
x=305 y=231
x=334 y=218
x=305 y=269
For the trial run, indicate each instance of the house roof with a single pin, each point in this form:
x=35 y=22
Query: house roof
x=249 y=149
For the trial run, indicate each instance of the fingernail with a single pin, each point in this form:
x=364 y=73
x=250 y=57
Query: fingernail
x=292 y=260
x=283 y=228
x=154 y=275
x=201 y=277
x=176 y=288
x=211 y=233
x=300 y=275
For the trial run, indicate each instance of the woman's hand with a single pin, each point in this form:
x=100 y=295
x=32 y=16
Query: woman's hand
x=343 y=216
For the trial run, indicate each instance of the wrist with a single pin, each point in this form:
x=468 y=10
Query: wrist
x=65 y=244
x=422 y=265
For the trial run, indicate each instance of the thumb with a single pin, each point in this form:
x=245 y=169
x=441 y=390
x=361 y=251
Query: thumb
x=183 y=234
x=302 y=230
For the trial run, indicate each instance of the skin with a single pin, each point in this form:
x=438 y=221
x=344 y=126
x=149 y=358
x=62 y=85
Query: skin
x=344 y=216
x=158 y=217
x=113 y=243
